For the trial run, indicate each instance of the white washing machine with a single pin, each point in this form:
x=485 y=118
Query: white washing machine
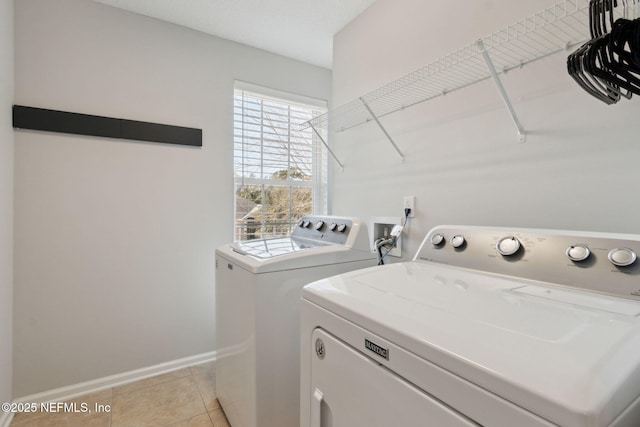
x=258 y=289
x=485 y=327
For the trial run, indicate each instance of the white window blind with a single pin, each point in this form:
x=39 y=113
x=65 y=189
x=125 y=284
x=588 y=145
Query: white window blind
x=280 y=169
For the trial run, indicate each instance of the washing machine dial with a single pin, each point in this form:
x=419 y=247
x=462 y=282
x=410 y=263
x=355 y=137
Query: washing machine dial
x=508 y=246
x=342 y=228
x=622 y=257
x=578 y=253
x=458 y=241
x=437 y=239
x=306 y=224
x=333 y=226
x=319 y=225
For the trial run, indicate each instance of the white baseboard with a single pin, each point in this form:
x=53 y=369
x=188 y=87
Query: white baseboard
x=75 y=390
x=5 y=419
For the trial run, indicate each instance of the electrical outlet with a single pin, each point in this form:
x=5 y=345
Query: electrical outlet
x=410 y=203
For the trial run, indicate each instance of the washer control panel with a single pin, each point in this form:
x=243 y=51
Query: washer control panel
x=600 y=262
x=323 y=228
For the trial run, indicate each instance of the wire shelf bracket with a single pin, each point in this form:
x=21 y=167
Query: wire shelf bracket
x=327 y=146
x=522 y=136
x=375 y=118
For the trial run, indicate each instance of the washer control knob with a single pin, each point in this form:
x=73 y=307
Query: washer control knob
x=342 y=228
x=458 y=241
x=578 y=253
x=301 y=223
x=333 y=226
x=622 y=257
x=306 y=224
x=437 y=239
x=508 y=246
x=319 y=225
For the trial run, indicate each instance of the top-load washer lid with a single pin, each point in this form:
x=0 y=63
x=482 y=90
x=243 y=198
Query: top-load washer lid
x=574 y=360
x=269 y=248
x=314 y=241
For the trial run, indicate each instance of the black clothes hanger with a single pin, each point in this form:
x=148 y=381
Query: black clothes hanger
x=577 y=67
x=611 y=59
x=608 y=65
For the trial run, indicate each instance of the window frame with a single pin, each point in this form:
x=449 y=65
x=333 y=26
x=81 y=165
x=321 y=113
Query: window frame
x=318 y=163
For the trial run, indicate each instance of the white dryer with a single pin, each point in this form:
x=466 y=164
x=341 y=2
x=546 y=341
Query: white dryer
x=258 y=289
x=486 y=326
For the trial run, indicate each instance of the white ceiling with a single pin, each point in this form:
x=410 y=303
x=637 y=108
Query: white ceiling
x=299 y=29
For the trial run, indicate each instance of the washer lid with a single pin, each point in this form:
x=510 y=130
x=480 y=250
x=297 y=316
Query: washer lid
x=269 y=248
x=290 y=254
x=568 y=356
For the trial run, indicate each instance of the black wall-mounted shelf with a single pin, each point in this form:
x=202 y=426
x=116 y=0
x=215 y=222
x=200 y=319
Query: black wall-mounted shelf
x=85 y=124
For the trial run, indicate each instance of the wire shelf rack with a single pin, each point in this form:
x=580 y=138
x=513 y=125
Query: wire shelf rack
x=555 y=29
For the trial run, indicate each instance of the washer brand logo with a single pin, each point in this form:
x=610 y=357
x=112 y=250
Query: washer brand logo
x=380 y=351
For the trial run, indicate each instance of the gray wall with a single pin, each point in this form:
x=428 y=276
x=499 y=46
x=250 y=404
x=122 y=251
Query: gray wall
x=6 y=199
x=115 y=240
x=577 y=170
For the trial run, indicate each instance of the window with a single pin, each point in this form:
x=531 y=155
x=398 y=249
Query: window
x=280 y=165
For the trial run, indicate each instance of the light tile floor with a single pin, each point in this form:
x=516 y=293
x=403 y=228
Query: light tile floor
x=183 y=398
